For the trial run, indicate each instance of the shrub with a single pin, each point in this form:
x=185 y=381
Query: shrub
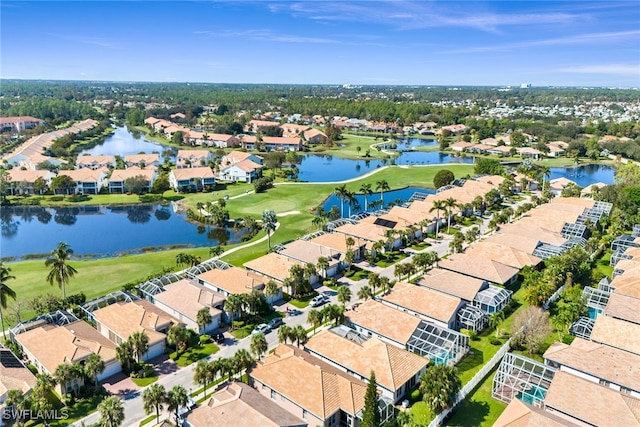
x=495 y=341
x=56 y=198
x=205 y=339
x=442 y=178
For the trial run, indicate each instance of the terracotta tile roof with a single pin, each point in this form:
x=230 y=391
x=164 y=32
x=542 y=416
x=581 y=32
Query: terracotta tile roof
x=238 y=401
x=234 y=280
x=188 y=297
x=309 y=252
x=273 y=265
x=189 y=173
x=12 y=376
x=245 y=165
x=146 y=158
x=617 y=333
x=84 y=174
x=634 y=253
x=384 y=320
x=503 y=254
x=430 y=303
x=281 y=140
x=410 y=216
x=479 y=267
x=624 y=307
x=519 y=414
x=100 y=160
x=627 y=264
x=491 y=179
x=325 y=389
x=235 y=156
x=28 y=175
x=119 y=175
x=194 y=155
x=125 y=318
x=595 y=404
x=530 y=235
x=393 y=366
x=54 y=345
x=335 y=241
x=452 y=283
x=363 y=230
x=627 y=284
x=599 y=360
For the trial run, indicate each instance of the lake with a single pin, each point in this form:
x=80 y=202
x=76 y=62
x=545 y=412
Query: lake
x=99 y=231
x=123 y=142
x=396 y=196
x=585 y=175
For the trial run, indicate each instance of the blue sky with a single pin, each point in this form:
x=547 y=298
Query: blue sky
x=577 y=43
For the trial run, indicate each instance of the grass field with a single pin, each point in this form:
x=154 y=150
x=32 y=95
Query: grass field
x=479 y=409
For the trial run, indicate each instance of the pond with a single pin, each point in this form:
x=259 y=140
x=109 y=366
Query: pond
x=395 y=196
x=403 y=144
x=123 y=142
x=100 y=231
x=585 y=175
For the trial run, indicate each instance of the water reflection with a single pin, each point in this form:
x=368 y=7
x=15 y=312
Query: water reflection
x=66 y=216
x=123 y=142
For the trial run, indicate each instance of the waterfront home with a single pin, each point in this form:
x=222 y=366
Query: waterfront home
x=142 y=161
x=309 y=388
x=221 y=140
x=557 y=148
x=49 y=346
x=557 y=185
x=238 y=401
x=118 y=178
x=461 y=146
x=236 y=281
x=118 y=321
x=308 y=253
x=13 y=375
x=530 y=153
x=274 y=266
x=457 y=128
x=88 y=181
x=371 y=232
x=480 y=267
x=430 y=305
x=18 y=124
x=315 y=136
x=242 y=171
x=193 y=158
x=191 y=179
x=397 y=370
x=272 y=143
x=590 y=190
x=185 y=298
x=95 y=162
x=21 y=181
x=338 y=243
x=240 y=156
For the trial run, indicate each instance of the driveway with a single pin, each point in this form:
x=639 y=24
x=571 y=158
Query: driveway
x=121 y=385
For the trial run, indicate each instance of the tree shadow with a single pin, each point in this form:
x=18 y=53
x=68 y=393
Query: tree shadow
x=469 y=413
x=473 y=358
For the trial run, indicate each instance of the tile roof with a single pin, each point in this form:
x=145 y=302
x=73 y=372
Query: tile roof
x=28 y=175
x=146 y=158
x=425 y=301
x=54 y=345
x=627 y=284
x=524 y=238
x=335 y=241
x=622 y=306
x=363 y=230
x=87 y=160
x=309 y=252
x=599 y=360
x=452 y=283
x=238 y=401
x=384 y=320
x=189 y=173
x=188 y=297
x=12 y=375
x=85 y=174
x=519 y=414
x=503 y=254
x=617 y=333
x=273 y=265
x=124 y=174
x=234 y=280
x=491 y=179
x=479 y=267
x=393 y=366
x=591 y=403
x=325 y=388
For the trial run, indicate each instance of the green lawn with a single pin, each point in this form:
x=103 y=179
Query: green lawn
x=421 y=414
x=390 y=258
x=479 y=409
x=420 y=246
x=75 y=412
x=149 y=419
x=350 y=144
x=302 y=302
x=356 y=273
x=243 y=332
x=603 y=264
x=143 y=382
x=195 y=353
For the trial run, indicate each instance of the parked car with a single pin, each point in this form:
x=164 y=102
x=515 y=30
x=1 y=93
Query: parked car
x=218 y=338
x=261 y=328
x=319 y=300
x=275 y=322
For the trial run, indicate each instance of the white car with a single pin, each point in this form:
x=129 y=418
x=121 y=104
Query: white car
x=319 y=300
x=261 y=328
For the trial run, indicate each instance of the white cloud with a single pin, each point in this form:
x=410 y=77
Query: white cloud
x=615 y=69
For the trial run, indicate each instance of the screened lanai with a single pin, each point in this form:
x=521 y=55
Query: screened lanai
x=547 y=250
x=582 y=328
x=521 y=378
x=59 y=318
x=636 y=230
x=571 y=229
x=472 y=318
x=596 y=300
x=441 y=345
x=155 y=286
x=618 y=255
x=492 y=299
x=204 y=267
x=624 y=241
x=97 y=303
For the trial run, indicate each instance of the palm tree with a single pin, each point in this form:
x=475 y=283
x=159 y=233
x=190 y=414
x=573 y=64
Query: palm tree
x=315 y=317
x=202 y=374
x=374 y=282
x=344 y=295
x=439 y=386
x=365 y=293
x=269 y=222
x=300 y=335
x=154 y=397
x=341 y=192
x=242 y=360
x=177 y=397
x=438 y=206
x=284 y=333
x=233 y=305
x=271 y=289
x=382 y=186
x=60 y=272
x=179 y=336
x=63 y=374
x=495 y=320
x=216 y=251
x=94 y=367
x=366 y=191
x=449 y=204
x=258 y=345
x=323 y=265
x=124 y=355
x=350 y=198
x=111 y=412
x=5 y=291
x=203 y=318
x=139 y=343
x=44 y=383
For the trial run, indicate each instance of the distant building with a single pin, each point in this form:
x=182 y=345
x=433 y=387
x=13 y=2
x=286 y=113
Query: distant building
x=18 y=124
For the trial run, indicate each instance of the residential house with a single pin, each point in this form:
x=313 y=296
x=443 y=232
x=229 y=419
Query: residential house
x=370 y=232
x=257 y=125
x=455 y=129
x=530 y=153
x=238 y=401
x=452 y=283
x=590 y=190
x=240 y=156
x=142 y=161
x=557 y=148
x=87 y=181
x=95 y=162
x=617 y=333
x=309 y=252
x=557 y=185
x=315 y=136
x=504 y=254
x=193 y=158
x=338 y=243
x=118 y=321
x=245 y=170
x=236 y=281
x=21 y=181
x=13 y=375
x=118 y=178
x=520 y=414
x=480 y=267
x=49 y=346
x=18 y=124
x=191 y=179
x=397 y=370
x=309 y=388
x=276 y=143
x=185 y=298
x=274 y=266
x=430 y=305
x=461 y=146
x=623 y=307
x=221 y=140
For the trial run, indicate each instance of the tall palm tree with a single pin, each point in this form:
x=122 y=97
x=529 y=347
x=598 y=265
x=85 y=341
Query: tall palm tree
x=202 y=374
x=269 y=221
x=438 y=206
x=111 y=412
x=344 y=295
x=284 y=333
x=300 y=334
x=154 y=397
x=63 y=374
x=5 y=292
x=365 y=293
x=315 y=317
x=258 y=345
x=366 y=191
x=203 y=318
x=323 y=265
x=352 y=202
x=382 y=186
x=124 y=355
x=242 y=360
x=449 y=204
x=340 y=192
x=271 y=289
x=139 y=343
x=177 y=397
x=61 y=272
x=94 y=367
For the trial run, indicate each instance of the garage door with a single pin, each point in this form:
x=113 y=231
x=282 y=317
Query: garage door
x=109 y=370
x=154 y=351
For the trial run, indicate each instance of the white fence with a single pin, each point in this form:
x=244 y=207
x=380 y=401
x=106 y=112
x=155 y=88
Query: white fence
x=554 y=297
x=473 y=383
